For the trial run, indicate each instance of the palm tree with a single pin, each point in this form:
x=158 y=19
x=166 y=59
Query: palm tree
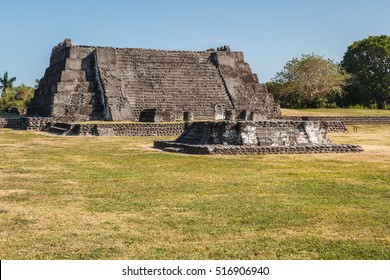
x=5 y=82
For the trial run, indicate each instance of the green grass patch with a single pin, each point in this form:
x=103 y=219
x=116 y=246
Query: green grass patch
x=334 y=112
x=117 y=198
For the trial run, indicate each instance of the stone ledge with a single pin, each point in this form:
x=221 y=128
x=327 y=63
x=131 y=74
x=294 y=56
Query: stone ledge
x=257 y=150
x=129 y=129
x=345 y=119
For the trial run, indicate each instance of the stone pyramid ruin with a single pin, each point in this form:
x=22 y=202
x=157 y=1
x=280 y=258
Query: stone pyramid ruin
x=106 y=83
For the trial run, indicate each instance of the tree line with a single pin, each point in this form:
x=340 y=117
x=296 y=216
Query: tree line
x=14 y=99
x=361 y=80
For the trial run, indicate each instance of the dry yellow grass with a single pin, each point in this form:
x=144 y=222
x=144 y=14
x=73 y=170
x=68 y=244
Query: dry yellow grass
x=117 y=198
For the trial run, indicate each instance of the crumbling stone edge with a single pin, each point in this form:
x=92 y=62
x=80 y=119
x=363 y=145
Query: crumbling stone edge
x=172 y=146
x=347 y=120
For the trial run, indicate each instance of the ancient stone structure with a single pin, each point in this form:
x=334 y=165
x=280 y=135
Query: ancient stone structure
x=105 y=83
x=255 y=137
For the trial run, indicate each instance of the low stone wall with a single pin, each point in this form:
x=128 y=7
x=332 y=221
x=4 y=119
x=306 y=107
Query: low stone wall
x=121 y=129
x=37 y=123
x=106 y=129
x=254 y=150
x=335 y=126
x=129 y=129
x=16 y=123
x=29 y=123
x=345 y=119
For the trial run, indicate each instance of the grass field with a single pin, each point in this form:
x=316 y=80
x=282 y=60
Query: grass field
x=116 y=198
x=335 y=112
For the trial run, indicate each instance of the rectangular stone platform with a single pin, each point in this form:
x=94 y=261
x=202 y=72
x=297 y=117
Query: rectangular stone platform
x=255 y=137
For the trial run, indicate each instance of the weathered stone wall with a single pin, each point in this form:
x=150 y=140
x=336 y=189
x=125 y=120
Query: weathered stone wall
x=345 y=119
x=125 y=129
x=41 y=123
x=11 y=123
x=129 y=129
x=37 y=123
x=107 y=129
x=335 y=126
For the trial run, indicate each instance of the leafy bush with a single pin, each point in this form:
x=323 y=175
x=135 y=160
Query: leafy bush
x=17 y=97
x=309 y=82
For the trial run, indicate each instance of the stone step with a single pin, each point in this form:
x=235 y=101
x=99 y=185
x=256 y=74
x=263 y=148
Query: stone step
x=70 y=86
x=188 y=76
x=56 y=130
x=62 y=125
x=171 y=76
x=153 y=63
x=173 y=150
x=59 y=128
x=155 y=58
x=73 y=64
x=73 y=75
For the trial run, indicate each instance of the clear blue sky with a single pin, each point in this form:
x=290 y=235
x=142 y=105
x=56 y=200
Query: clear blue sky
x=268 y=32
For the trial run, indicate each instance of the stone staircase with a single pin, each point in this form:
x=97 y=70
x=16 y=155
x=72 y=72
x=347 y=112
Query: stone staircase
x=182 y=81
x=76 y=89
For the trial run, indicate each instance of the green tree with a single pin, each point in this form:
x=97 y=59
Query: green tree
x=6 y=83
x=17 y=97
x=309 y=81
x=368 y=62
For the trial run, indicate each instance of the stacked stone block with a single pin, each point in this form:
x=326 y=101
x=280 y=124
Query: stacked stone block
x=344 y=119
x=256 y=150
x=129 y=129
x=15 y=123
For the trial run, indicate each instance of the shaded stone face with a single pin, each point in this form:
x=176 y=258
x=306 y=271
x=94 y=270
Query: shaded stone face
x=262 y=133
x=86 y=83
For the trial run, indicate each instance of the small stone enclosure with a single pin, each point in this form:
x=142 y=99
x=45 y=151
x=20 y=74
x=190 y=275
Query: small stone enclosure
x=249 y=137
